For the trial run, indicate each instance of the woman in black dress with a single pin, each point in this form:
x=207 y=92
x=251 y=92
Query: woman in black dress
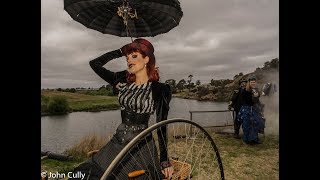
x=140 y=94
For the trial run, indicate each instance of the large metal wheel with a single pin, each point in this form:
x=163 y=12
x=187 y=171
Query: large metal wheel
x=191 y=150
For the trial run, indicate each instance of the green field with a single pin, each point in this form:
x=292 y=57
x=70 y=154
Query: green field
x=83 y=102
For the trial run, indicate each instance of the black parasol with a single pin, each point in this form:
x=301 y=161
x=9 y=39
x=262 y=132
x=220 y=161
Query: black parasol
x=126 y=18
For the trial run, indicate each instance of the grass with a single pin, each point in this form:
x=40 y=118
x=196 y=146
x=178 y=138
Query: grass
x=88 y=143
x=52 y=165
x=183 y=94
x=83 y=102
x=240 y=161
x=78 y=151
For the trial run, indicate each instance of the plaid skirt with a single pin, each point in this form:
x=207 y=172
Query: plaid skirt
x=143 y=156
x=252 y=123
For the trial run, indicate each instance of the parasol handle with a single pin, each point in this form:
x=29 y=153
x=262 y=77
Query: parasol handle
x=128 y=32
x=125 y=11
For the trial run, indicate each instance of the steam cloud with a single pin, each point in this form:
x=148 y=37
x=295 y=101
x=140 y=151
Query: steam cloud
x=271 y=109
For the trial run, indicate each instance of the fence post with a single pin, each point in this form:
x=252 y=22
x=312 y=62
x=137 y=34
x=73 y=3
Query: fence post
x=190 y=120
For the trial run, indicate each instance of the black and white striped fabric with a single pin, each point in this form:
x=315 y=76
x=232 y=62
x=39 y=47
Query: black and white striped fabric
x=136 y=98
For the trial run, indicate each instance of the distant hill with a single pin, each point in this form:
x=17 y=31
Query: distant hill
x=221 y=90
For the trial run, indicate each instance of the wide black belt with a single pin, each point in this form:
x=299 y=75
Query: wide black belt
x=132 y=124
x=130 y=117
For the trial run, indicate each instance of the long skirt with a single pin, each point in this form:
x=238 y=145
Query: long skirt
x=143 y=156
x=252 y=123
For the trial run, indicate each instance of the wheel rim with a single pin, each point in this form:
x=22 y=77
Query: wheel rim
x=190 y=147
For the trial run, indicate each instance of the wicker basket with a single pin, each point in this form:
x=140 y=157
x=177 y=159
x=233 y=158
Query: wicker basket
x=182 y=170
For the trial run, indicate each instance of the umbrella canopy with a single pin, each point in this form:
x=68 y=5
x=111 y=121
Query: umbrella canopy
x=126 y=18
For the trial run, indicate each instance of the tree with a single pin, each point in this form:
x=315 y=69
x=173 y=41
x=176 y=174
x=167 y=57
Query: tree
x=172 y=84
x=190 y=78
x=109 y=87
x=181 y=84
x=266 y=64
x=72 y=90
x=202 y=91
x=102 y=87
x=212 y=82
x=274 y=63
x=191 y=85
x=241 y=74
x=198 y=82
x=189 y=81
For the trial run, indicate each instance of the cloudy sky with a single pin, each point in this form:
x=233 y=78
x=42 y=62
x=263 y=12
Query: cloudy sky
x=215 y=39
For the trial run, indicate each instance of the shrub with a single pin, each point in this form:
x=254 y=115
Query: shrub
x=44 y=103
x=58 y=105
x=202 y=91
x=73 y=90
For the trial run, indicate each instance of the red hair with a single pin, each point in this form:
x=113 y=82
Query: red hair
x=145 y=48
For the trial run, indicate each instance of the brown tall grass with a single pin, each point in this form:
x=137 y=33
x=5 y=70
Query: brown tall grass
x=86 y=144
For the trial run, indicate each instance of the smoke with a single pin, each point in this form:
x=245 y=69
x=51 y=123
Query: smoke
x=271 y=108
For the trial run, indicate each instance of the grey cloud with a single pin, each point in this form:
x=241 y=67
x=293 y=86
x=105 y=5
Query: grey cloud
x=215 y=39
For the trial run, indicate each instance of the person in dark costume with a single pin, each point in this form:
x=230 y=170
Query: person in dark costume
x=235 y=104
x=268 y=89
x=250 y=113
x=140 y=94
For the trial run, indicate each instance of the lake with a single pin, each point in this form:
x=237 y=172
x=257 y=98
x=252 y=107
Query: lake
x=61 y=132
